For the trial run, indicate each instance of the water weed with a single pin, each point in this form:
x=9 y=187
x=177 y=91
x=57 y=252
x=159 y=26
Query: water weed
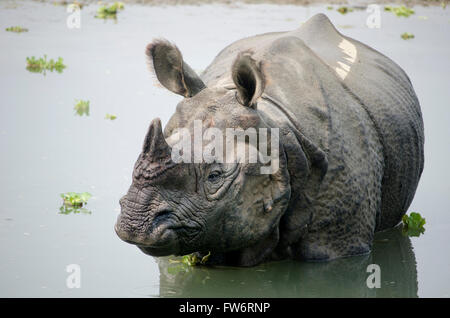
x=407 y=36
x=110 y=116
x=41 y=65
x=82 y=107
x=401 y=11
x=413 y=224
x=74 y=199
x=109 y=12
x=16 y=29
x=344 y=10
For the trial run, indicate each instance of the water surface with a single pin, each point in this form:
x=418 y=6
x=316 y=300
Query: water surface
x=47 y=150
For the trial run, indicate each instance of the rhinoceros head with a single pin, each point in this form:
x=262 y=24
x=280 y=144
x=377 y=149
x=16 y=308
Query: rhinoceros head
x=228 y=208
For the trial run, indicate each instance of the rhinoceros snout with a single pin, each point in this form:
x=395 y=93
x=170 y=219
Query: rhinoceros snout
x=154 y=231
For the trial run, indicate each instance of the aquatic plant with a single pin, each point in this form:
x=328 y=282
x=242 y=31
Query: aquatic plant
x=75 y=210
x=77 y=3
x=191 y=260
x=82 y=107
x=110 y=117
x=413 y=224
x=105 y=12
x=16 y=29
x=401 y=11
x=74 y=199
x=68 y=3
x=41 y=65
x=407 y=36
x=344 y=10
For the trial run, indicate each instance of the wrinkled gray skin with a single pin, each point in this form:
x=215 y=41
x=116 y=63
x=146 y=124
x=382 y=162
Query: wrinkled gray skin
x=351 y=151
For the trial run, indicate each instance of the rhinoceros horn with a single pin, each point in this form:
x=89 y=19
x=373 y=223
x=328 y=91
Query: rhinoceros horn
x=155 y=147
x=155 y=158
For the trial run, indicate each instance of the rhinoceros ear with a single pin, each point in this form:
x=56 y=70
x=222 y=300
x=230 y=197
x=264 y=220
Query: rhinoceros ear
x=248 y=79
x=172 y=72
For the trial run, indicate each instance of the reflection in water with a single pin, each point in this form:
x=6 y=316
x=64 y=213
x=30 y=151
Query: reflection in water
x=346 y=277
x=71 y=209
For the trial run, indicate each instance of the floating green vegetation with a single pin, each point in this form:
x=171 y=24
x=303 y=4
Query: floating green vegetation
x=105 y=12
x=187 y=263
x=344 y=10
x=68 y=3
x=73 y=203
x=401 y=11
x=330 y=8
x=82 y=107
x=407 y=36
x=77 y=3
x=192 y=260
x=71 y=209
x=413 y=224
x=16 y=29
x=74 y=199
x=110 y=117
x=41 y=65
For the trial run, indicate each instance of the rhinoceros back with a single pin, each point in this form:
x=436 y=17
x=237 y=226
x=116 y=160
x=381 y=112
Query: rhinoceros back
x=378 y=84
x=386 y=93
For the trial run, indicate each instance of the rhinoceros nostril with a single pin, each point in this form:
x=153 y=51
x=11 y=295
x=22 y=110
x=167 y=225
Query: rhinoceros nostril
x=161 y=217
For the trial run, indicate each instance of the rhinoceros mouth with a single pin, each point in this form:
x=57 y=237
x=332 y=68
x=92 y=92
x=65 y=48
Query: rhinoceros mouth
x=157 y=251
x=144 y=228
x=157 y=233
x=167 y=244
x=163 y=240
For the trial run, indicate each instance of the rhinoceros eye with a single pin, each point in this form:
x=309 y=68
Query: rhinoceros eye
x=214 y=176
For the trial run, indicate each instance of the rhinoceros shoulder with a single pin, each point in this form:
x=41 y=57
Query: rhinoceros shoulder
x=316 y=53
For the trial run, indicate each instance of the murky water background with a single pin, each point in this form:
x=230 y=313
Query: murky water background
x=47 y=150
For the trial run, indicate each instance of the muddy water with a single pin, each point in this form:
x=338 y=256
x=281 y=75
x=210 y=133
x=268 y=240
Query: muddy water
x=47 y=150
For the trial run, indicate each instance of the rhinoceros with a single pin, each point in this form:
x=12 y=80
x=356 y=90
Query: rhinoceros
x=350 y=151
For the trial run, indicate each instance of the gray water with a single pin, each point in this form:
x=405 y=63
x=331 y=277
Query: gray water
x=47 y=150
